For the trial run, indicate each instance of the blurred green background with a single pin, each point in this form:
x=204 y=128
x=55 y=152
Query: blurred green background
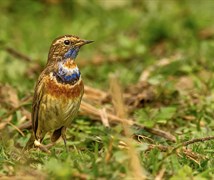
x=138 y=32
x=131 y=37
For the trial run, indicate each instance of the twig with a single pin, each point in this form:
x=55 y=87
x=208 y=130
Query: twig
x=197 y=140
x=104 y=118
x=95 y=95
x=8 y=121
x=15 y=127
x=191 y=155
x=186 y=143
x=188 y=153
x=26 y=125
x=93 y=112
x=160 y=147
x=158 y=132
x=140 y=137
x=17 y=54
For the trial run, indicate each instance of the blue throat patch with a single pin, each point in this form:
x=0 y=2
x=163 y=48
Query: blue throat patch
x=72 y=77
x=63 y=75
x=67 y=79
x=72 y=53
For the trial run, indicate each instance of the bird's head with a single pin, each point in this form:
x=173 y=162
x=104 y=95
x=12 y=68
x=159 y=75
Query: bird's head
x=65 y=47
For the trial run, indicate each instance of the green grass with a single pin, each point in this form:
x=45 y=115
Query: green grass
x=137 y=35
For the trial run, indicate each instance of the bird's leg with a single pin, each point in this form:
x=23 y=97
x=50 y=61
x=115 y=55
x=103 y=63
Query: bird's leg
x=63 y=131
x=42 y=147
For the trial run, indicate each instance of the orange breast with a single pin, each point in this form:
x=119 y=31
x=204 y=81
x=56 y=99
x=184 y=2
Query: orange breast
x=70 y=64
x=69 y=91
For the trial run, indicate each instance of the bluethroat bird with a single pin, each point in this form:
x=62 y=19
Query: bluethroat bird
x=58 y=92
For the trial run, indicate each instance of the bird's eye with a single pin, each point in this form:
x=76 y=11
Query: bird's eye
x=66 y=42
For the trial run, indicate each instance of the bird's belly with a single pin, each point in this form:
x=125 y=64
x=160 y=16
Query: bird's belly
x=58 y=112
x=58 y=106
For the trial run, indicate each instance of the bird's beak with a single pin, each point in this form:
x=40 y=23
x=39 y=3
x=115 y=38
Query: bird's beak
x=83 y=42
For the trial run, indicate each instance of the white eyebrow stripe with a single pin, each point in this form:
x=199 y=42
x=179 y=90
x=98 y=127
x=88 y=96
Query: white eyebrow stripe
x=62 y=39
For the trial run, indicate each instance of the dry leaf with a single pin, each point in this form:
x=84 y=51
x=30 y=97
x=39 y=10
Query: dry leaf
x=8 y=96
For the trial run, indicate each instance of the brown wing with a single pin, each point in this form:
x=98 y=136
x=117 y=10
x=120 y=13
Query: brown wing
x=38 y=94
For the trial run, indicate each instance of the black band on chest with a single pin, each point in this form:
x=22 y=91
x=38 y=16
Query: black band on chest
x=69 y=79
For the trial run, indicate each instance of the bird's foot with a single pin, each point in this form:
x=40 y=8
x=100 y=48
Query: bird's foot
x=43 y=147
